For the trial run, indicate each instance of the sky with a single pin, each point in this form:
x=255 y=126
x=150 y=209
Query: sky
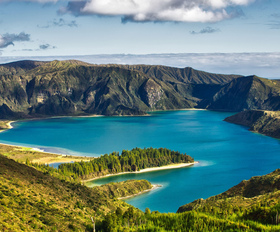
x=224 y=36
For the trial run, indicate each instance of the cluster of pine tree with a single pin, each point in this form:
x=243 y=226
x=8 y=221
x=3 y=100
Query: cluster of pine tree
x=128 y=161
x=215 y=220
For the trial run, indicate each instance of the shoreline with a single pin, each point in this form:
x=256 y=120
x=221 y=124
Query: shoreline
x=9 y=122
x=35 y=155
x=53 y=158
x=8 y=125
x=154 y=187
x=166 y=167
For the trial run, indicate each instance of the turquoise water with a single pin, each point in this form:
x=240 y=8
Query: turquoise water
x=227 y=153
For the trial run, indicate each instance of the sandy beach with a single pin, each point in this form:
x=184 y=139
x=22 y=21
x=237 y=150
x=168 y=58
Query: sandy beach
x=5 y=125
x=171 y=166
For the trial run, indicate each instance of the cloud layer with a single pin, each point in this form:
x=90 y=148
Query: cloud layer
x=9 y=39
x=261 y=64
x=159 y=10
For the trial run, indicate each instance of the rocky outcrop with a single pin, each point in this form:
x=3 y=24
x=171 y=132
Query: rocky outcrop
x=152 y=93
x=261 y=121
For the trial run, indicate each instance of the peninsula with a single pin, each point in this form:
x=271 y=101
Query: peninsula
x=261 y=121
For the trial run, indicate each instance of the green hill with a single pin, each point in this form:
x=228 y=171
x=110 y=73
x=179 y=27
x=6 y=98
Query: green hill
x=252 y=205
x=31 y=200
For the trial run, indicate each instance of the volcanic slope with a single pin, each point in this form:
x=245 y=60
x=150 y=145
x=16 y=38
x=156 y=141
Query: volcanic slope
x=40 y=89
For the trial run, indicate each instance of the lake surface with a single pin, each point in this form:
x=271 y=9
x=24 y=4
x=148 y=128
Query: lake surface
x=227 y=153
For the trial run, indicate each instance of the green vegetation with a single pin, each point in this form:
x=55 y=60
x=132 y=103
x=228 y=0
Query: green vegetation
x=31 y=200
x=252 y=205
x=215 y=219
x=264 y=122
x=128 y=161
x=21 y=154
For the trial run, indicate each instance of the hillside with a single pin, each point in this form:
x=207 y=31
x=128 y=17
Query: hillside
x=56 y=88
x=255 y=200
x=264 y=122
x=33 y=89
x=252 y=205
x=31 y=200
x=247 y=93
x=247 y=193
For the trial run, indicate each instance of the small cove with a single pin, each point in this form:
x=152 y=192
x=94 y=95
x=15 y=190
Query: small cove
x=227 y=153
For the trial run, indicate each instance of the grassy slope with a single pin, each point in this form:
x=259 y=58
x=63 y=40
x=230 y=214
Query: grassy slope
x=31 y=200
x=21 y=154
x=252 y=205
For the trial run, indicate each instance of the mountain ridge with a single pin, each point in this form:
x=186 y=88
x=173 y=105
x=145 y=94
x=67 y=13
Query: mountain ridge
x=72 y=88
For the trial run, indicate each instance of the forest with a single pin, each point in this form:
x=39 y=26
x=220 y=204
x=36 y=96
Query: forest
x=259 y=216
x=128 y=161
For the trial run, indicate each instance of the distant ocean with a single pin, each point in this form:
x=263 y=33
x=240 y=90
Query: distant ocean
x=227 y=153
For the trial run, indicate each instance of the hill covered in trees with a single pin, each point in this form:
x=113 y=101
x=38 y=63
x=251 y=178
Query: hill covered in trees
x=40 y=89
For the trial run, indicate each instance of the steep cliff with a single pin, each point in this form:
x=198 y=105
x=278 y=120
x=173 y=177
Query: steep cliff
x=38 y=89
x=264 y=122
x=247 y=93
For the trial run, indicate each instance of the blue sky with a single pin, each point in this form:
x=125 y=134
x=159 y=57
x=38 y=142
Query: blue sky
x=44 y=28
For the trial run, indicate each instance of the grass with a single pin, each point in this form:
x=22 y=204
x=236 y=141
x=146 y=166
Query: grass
x=21 y=154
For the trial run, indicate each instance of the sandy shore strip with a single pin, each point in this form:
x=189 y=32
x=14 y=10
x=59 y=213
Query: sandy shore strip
x=9 y=124
x=155 y=186
x=171 y=166
x=36 y=155
x=5 y=125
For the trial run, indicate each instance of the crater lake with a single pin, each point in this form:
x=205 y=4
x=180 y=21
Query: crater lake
x=226 y=153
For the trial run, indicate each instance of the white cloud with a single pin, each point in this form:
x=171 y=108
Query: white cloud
x=158 y=10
